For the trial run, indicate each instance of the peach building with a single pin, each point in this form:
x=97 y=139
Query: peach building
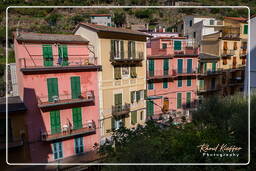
x=172 y=74
x=58 y=84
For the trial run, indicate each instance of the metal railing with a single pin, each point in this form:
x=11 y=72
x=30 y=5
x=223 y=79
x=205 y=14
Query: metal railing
x=211 y=72
x=62 y=98
x=67 y=130
x=118 y=109
x=184 y=71
x=40 y=62
x=230 y=32
x=170 y=72
x=228 y=52
x=133 y=57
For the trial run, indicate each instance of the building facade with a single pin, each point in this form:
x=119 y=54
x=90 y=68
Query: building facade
x=58 y=84
x=172 y=74
x=122 y=54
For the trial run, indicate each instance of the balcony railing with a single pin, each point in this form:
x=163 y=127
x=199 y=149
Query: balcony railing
x=227 y=53
x=230 y=32
x=243 y=53
x=69 y=131
x=186 y=51
x=211 y=72
x=201 y=90
x=127 y=58
x=120 y=109
x=184 y=72
x=65 y=99
x=236 y=67
x=159 y=74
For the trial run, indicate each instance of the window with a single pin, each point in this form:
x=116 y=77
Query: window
x=189 y=65
x=47 y=55
x=125 y=72
x=165 y=83
x=77 y=118
x=117 y=123
x=164 y=45
x=150 y=108
x=117 y=73
x=52 y=86
x=117 y=49
x=205 y=67
x=133 y=117
x=141 y=94
x=190 y=23
x=118 y=100
x=194 y=34
x=201 y=84
x=131 y=49
x=166 y=66
x=141 y=115
x=211 y=22
x=137 y=96
x=150 y=85
x=55 y=122
x=133 y=96
x=179 y=82
x=177 y=45
x=151 y=66
x=63 y=55
x=179 y=100
x=235 y=46
x=109 y=24
x=182 y=26
x=245 y=29
x=225 y=62
x=214 y=66
x=57 y=150
x=189 y=83
x=188 y=100
x=180 y=66
x=225 y=46
x=75 y=87
x=133 y=72
x=213 y=83
x=79 y=145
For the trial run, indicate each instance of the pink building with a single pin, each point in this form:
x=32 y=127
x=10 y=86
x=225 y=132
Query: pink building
x=59 y=86
x=171 y=73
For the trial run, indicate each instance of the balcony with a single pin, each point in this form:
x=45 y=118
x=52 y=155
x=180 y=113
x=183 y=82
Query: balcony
x=236 y=67
x=227 y=53
x=11 y=144
x=205 y=90
x=238 y=81
x=67 y=132
x=120 y=110
x=243 y=52
x=187 y=52
x=136 y=58
x=159 y=74
x=211 y=72
x=184 y=72
x=65 y=101
x=230 y=33
x=39 y=65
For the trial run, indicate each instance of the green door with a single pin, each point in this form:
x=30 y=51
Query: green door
x=52 y=85
x=55 y=122
x=47 y=55
x=75 y=87
x=177 y=45
x=151 y=65
x=189 y=65
x=63 y=55
x=118 y=101
x=180 y=66
x=166 y=66
x=77 y=117
x=150 y=108
x=214 y=66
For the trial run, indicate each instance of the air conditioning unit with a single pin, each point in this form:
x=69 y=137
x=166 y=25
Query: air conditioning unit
x=55 y=99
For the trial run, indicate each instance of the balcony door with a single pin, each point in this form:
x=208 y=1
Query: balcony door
x=180 y=66
x=47 y=55
x=166 y=66
x=189 y=65
x=77 y=118
x=53 y=92
x=118 y=102
x=75 y=87
x=55 y=122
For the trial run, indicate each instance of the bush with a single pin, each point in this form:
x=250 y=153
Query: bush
x=52 y=19
x=145 y=13
x=119 y=19
x=77 y=19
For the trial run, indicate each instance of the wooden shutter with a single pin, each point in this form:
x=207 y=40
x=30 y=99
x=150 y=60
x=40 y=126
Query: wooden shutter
x=150 y=108
x=243 y=61
x=179 y=82
x=137 y=96
x=180 y=66
x=133 y=72
x=205 y=67
x=214 y=66
x=165 y=83
x=166 y=66
x=122 y=49
x=225 y=46
x=129 y=49
x=235 y=45
x=145 y=94
x=188 y=99
x=77 y=117
x=133 y=117
x=52 y=86
x=112 y=49
x=245 y=29
x=188 y=81
x=47 y=55
x=179 y=100
x=234 y=60
x=189 y=65
x=133 y=49
x=177 y=45
x=201 y=84
x=151 y=67
x=63 y=55
x=225 y=61
x=118 y=99
x=75 y=87
x=117 y=73
x=55 y=122
x=132 y=96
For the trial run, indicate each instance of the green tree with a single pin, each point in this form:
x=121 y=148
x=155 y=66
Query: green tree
x=119 y=19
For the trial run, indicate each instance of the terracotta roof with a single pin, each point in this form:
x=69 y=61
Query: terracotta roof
x=241 y=19
x=51 y=38
x=101 y=28
x=101 y=15
x=15 y=104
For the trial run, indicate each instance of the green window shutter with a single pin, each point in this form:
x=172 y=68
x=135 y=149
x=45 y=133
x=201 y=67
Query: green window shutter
x=150 y=85
x=180 y=66
x=145 y=94
x=52 y=86
x=205 y=67
x=122 y=49
x=179 y=100
x=129 y=49
x=77 y=118
x=63 y=55
x=166 y=66
x=165 y=83
x=179 y=82
x=164 y=45
x=133 y=49
x=133 y=117
x=150 y=108
x=117 y=73
x=112 y=49
x=132 y=96
x=245 y=29
x=55 y=122
x=201 y=84
x=75 y=87
x=118 y=99
x=177 y=45
x=214 y=66
x=47 y=55
x=151 y=67
x=133 y=72
x=188 y=99
x=113 y=125
x=137 y=96
x=189 y=81
x=189 y=65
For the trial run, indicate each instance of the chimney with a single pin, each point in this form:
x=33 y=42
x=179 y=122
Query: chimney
x=163 y=28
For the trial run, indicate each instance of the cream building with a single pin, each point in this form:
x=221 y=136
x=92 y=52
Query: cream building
x=122 y=82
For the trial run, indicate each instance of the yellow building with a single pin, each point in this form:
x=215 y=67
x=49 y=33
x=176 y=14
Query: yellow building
x=223 y=58
x=18 y=150
x=122 y=54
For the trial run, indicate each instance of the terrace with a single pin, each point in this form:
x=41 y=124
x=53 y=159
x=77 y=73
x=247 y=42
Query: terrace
x=119 y=110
